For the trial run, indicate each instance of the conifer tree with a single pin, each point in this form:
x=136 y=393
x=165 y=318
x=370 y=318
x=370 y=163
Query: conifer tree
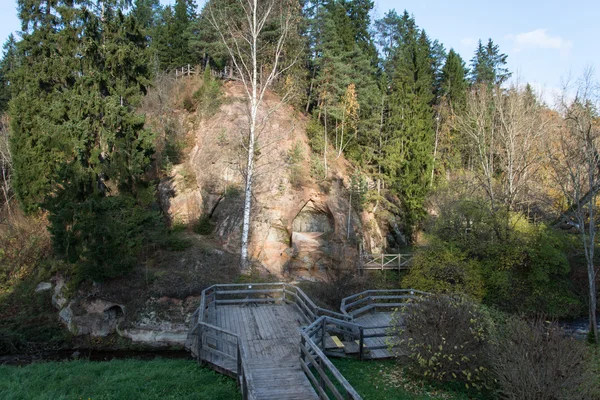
x=79 y=149
x=146 y=13
x=454 y=80
x=488 y=66
x=8 y=63
x=407 y=156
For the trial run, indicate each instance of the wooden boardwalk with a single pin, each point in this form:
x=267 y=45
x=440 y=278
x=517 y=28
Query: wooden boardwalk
x=256 y=333
x=276 y=342
x=271 y=336
x=376 y=323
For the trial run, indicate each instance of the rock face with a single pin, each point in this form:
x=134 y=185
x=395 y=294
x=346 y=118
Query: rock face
x=294 y=220
x=179 y=195
x=162 y=322
x=94 y=317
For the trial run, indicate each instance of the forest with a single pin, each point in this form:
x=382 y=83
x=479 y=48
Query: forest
x=494 y=190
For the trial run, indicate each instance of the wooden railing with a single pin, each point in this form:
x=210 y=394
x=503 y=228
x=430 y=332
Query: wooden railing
x=360 y=303
x=225 y=351
x=325 y=377
x=383 y=262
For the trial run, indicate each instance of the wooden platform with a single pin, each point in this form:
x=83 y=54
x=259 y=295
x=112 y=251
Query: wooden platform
x=270 y=334
x=371 y=320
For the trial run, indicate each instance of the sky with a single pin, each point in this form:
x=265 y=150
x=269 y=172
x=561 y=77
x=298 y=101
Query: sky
x=546 y=41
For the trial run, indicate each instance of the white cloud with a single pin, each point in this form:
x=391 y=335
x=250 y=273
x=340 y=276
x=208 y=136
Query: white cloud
x=540 y=39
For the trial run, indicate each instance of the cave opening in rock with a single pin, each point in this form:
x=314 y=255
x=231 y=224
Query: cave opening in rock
x=311 y=226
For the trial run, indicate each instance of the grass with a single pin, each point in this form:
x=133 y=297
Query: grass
x=384 y=380
x=117 y=379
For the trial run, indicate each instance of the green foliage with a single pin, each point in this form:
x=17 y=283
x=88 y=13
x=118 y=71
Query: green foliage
x=317 y=167
x=209 y=96
x=103 y=236
x=488 y=66
x=407 y=154
x=443 y=268
x=358 y=190
x=172 y=33
x=116 y=379
x=444 y=339
x=189 y=104
x=522 y=265
x=204 y=226
x=315 y=132
x=8 y=64
x=454 y=80
x=233 y=191
x=295 y=156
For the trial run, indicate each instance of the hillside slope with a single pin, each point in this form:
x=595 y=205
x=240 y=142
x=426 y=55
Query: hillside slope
x=298 y=224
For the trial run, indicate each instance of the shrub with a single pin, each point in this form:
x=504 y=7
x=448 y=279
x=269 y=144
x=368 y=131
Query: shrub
x=209 y=96
x=531 y=360
x=295 y=155
x=317 y=167
x=189 y=104
x=203 y=226
x=443 y=268
x=444 y=339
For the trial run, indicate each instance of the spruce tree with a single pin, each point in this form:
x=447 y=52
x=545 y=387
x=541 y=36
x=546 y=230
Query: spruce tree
x=80 y=150
x=146 y=13
x=407 y=159
x=8 y=63
x=488 y=65
x=454 y=83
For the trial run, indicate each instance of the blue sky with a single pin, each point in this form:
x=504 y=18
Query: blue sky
x=545 y=40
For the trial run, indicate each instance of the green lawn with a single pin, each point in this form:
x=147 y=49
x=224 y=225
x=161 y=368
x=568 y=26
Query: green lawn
x=384 y=380
x=117 y=379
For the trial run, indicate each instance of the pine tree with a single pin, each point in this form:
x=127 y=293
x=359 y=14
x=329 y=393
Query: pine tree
x=488 y=65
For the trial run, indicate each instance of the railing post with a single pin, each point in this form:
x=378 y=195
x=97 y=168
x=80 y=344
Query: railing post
x=361 y=343
x=323 y=334
x=239 y=361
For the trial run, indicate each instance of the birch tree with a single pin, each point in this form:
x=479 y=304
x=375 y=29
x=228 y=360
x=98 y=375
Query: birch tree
x=257 y=63
x=575 y=158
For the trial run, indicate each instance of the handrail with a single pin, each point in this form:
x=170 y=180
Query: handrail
x=392 y=298
x=309 y=349
x=313 y=359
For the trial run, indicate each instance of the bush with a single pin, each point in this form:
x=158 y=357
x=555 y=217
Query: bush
x=443 y=268
x=444 y=339
x=203 y=226
x=521 y=264
x=531 y=360
x=189 y=104
x=209 y=96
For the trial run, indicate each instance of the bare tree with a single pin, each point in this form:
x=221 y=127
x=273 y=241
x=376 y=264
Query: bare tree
x=478 y=126
x=520 y=128
x=5 y=165
x=504 y=130
x=575 y=159
x=257 y=64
